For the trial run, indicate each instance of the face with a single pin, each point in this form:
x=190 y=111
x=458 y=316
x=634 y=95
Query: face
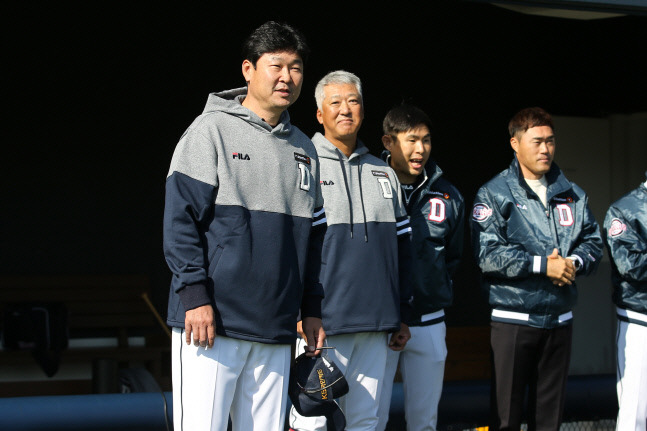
x=274 y=84
x=409 y=152
x=535 y=151
x=342 y=111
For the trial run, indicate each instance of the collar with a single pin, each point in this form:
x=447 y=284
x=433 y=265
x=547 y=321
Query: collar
x=557 y=181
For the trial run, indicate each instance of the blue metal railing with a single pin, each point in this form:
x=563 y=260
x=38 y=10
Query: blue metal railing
x=464 y=404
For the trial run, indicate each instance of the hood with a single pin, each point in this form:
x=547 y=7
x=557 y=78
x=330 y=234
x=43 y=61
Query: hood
x=326 y=149
x=230 y=103
x=431 y=172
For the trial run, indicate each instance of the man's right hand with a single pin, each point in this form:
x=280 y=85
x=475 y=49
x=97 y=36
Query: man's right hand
x=200 y=322
x=560 y=270
x=312 y=332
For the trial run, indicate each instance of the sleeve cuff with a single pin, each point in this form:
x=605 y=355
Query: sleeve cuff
x=406 y=313
x=577 y=261
x=539 y=264
x=194 y=296
x=311 y=306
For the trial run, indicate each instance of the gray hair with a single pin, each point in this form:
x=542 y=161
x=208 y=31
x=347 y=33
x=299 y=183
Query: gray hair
x=336 y=77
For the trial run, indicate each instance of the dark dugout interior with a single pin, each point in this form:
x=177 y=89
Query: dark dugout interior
x=99 y=94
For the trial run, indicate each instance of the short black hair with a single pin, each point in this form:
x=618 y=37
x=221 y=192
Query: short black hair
x=274 y=37
x=527 y=119
x=404 y=117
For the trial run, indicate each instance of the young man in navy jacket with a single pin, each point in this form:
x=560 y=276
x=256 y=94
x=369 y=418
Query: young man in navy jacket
x=436 y=212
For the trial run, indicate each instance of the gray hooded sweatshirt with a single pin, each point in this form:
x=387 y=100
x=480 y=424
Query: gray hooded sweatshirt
x=243 y=222
x=366 y=252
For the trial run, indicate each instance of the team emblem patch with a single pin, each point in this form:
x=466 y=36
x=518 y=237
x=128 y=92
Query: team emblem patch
x=481 y=212
x=565 y=214
x=385 y=185
x=617 y=227
x=437 y=210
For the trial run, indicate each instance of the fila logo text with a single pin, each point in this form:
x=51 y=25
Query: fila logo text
x=241 y=156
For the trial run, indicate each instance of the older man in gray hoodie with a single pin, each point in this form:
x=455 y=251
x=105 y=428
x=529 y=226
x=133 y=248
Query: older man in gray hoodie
x=367 y=245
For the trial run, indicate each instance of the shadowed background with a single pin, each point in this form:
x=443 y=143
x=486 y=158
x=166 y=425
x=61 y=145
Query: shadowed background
x=97 y=96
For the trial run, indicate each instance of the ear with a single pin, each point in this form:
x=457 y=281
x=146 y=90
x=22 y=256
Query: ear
x=514 y=143
x=248 y=70
x=387 y=141
x=319 y=116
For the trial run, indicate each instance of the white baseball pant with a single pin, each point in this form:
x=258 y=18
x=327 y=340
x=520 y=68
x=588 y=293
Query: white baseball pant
x=244 y=379
x=422 y=366
x=632 y=376
x=361 y=357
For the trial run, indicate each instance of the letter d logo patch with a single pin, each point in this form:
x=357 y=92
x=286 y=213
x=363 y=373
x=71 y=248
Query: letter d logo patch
x=565 y=215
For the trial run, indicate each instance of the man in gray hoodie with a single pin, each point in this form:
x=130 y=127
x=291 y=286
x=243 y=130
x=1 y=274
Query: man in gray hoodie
x=365 y=310
x=243 y=243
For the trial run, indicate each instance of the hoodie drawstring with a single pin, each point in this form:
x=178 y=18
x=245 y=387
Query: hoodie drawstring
x=361 y=196
x=350 y=202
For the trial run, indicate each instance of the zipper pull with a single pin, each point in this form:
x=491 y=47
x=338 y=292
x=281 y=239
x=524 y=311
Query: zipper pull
x=547 y=213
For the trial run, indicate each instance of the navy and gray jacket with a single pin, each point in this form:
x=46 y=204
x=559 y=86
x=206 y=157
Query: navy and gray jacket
x=513 y=233
x=244 y=223
x=625 y=232
x=436 y=212
x=367 y=243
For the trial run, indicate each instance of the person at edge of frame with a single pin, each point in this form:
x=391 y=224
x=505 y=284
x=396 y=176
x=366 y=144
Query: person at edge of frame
x=533 y=233
x=366 y=254
x=625 y=234
x=436 y=212
x=243 y=228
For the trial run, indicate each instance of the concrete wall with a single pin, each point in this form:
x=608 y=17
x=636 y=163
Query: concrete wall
x=607 y=157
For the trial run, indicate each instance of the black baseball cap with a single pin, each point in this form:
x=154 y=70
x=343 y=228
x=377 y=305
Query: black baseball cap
x=315 y=382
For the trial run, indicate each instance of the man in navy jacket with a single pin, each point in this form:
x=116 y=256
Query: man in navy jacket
x=436 y=212
x=625 y=232
x=533 y=233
